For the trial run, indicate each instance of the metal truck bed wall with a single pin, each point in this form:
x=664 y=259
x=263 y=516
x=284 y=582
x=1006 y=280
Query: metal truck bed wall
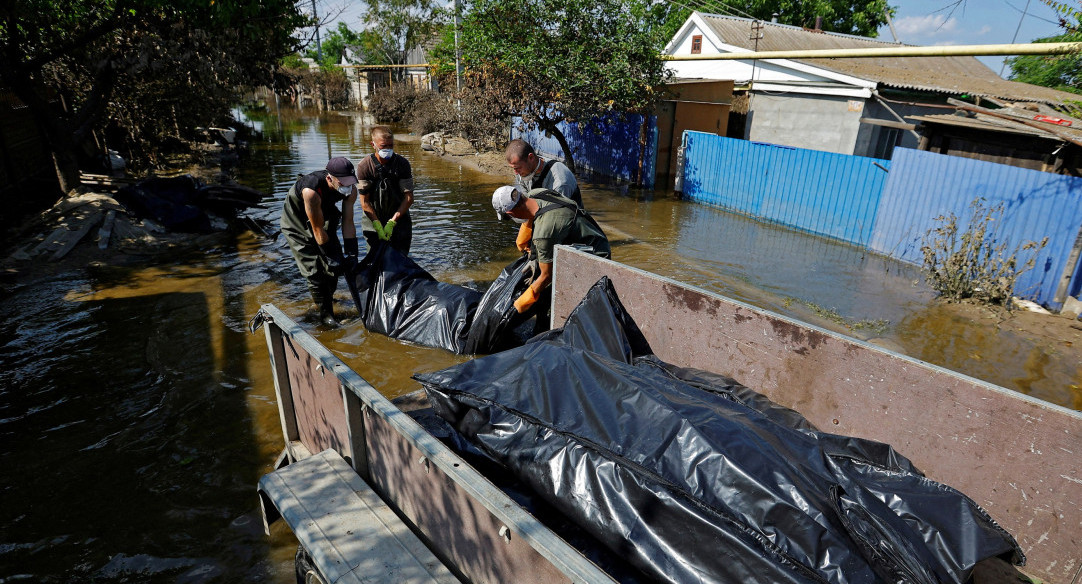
x=1018 y=457
x=474 y=528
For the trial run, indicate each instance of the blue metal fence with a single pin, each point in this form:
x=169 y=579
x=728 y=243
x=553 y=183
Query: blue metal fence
x=925 y=185
x=820 y=192
x=616 y=152
x=856 y=199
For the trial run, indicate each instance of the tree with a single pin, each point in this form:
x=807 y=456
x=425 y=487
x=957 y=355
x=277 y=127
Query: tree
x=137 y=67
x=561 y=60
x=396 y=26
x=366 y=45
x=862 y=18
x=1062 y=72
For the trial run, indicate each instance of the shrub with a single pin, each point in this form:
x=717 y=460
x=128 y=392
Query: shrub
x=432 y=112
x=974 y=264
x=391 y=104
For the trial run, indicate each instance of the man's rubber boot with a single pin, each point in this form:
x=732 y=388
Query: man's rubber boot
x=326 y=307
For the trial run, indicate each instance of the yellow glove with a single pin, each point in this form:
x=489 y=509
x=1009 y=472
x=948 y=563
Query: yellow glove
x=524 y=302
x=525 y=235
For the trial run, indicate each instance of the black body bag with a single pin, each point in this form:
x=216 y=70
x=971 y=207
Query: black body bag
x=693 y=477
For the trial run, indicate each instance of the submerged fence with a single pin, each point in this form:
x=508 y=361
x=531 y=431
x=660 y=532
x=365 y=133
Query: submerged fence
x=889 y=206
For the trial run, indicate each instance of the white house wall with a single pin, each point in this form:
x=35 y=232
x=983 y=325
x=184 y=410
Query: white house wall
x=826 y=123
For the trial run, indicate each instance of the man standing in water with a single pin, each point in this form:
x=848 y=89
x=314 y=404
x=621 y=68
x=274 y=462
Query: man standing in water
x=386 y=191
x=551 y=220
x=533 y=172
x=310 y=222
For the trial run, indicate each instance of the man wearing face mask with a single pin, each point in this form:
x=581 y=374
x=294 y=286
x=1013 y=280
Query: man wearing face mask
x=553 y=220
x=532 y=172
x=310 y=220
x=386 y=193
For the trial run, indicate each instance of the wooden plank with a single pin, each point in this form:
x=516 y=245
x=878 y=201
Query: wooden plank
x=72 y=238
x=351 y=534
x=1014 y=455
x=106 y=230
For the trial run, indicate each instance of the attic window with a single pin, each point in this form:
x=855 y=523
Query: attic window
x=697 y=44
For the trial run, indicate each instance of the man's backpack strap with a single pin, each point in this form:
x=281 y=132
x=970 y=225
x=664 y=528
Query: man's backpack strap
x=562 y=201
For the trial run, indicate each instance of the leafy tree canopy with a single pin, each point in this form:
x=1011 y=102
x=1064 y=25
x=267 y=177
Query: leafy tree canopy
x=562 y=60
x=366 y=46
x=140 y=68
x=862 y=18
x=1062 y=72
x=396 y=26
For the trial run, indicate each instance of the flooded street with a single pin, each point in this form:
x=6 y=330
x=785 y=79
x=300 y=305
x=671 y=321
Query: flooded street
x=137 y=412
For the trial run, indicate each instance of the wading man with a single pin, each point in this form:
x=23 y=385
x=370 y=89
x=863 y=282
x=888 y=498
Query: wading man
x=386 y=192
x=533 y=172
x=310 y=220
x=549 y=219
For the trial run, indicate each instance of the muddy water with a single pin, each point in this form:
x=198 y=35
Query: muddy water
x=137 y=413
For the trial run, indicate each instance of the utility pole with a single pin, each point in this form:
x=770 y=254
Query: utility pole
x=319 y=49
x=890 y=23
x=458 y=68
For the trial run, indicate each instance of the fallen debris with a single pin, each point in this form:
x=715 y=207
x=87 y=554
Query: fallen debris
x=145 y=217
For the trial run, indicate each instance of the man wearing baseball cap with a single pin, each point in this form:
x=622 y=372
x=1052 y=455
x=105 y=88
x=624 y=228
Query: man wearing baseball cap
x=310 y=220
x=549 y=219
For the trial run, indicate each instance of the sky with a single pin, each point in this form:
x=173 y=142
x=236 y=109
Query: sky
x=973 y=22
x=917 y=22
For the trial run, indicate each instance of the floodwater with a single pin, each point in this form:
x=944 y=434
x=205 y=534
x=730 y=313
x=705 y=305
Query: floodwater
x=137 y=413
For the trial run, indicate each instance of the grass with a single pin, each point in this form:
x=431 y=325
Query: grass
x=876 y=326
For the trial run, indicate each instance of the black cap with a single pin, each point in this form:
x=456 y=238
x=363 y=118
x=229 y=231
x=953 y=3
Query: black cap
x=342 y=169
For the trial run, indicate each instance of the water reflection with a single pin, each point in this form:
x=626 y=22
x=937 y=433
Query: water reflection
x=136 y=413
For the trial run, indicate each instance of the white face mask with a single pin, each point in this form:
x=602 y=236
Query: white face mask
x=517 y=220
x=345 y=190
x=386 y=153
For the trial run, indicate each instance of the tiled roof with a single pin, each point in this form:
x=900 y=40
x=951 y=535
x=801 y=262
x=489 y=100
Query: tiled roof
x=951 y=75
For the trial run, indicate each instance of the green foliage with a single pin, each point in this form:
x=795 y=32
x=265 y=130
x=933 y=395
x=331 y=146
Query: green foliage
x=560 y=60
x=1062 y=72
x=292 y=62
x=974 y=264
x=365 y=45
x=396 y=26
x=141 y=69
x=844 y=16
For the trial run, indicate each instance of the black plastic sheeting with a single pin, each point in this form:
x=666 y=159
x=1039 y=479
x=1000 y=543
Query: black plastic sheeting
x=694 y=478
x=398 y=298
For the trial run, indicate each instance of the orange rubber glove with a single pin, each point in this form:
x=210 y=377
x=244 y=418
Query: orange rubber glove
x=525 y=235
x=524 y=302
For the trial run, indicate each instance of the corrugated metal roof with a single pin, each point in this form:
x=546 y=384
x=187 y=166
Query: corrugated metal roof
x=985 y=122
x=981 y=123
x=952 y=75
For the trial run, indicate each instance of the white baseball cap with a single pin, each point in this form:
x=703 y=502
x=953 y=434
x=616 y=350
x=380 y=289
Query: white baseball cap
x=506 y=198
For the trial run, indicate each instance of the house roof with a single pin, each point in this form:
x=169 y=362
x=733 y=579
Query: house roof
x=1014 y=125
x=951 y=75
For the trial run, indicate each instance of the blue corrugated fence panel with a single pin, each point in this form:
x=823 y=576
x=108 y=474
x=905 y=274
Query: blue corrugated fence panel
x=614 y=152
x=923 y=186
x=820 y=192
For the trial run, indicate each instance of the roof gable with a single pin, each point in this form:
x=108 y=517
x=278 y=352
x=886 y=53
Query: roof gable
x=949 y=75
